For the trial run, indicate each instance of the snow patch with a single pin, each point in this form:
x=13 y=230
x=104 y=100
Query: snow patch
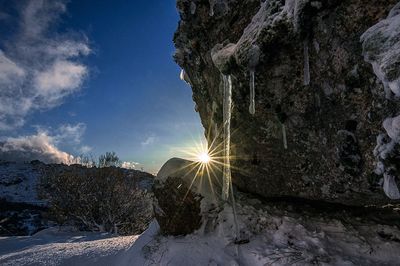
x=273 y=239
x=381 y=48
x=392 y=127
x=390 y=186
x=222 y=56
x=383 y=150
x=293 y=10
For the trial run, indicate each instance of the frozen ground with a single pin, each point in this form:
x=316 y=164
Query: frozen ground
x=55 y=246
x=273 y=239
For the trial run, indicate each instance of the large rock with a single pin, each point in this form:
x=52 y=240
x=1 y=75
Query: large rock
x=184 y=194
x=312 y=86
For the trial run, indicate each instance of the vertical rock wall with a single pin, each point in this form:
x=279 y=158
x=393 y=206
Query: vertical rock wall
x=319 y=107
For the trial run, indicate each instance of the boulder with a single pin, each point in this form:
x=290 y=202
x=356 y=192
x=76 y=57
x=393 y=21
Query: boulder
x=184 y=193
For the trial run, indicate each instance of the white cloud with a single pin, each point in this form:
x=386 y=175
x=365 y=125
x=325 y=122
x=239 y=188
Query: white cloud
x=149 y=140
x=43 y=145
x=34 y=147
x=85 y=149
x=71 y=133
x=61 y=79
x=39 y=67
x=9 y=71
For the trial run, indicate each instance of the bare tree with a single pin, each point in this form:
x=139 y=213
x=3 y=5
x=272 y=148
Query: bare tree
x=109 y=159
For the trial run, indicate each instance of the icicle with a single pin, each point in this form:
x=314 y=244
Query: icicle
x=306 y=64
x=284 y=136
x=215 y=124
x=182 y=75
x=252 y=107
x=390 y=187
x=215 y=130
x=227 y=113
x=212 y=3
x=192 y=8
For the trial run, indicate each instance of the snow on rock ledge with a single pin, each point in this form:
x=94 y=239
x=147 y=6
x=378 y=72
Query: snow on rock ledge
x=381 y=48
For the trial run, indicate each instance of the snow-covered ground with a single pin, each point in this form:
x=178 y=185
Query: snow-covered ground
x=273 y=239
x=63 y=246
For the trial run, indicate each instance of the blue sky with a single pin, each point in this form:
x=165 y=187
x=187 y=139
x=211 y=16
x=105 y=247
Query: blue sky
x=128 y=99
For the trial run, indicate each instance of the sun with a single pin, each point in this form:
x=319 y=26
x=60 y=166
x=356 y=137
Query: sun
x=203 y=157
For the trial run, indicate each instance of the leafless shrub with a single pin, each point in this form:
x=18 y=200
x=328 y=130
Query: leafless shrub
x=97 y=199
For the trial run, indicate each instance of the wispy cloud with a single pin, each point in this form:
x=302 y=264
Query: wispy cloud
x=85 y=149
x=39 y=66
x=71 y=134
x=149 y=140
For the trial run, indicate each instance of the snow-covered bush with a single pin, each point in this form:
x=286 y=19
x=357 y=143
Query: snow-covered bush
x=97 y=199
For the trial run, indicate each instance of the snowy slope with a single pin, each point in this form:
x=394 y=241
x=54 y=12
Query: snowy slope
x=18 y=182
x=55 y=246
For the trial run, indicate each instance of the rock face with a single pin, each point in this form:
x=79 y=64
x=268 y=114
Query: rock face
x=184 y=193
x=319 y=107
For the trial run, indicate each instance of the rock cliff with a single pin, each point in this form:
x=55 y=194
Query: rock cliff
x=322 y=90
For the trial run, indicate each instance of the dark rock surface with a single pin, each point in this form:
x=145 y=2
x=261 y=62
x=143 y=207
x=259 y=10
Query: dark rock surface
x=178 y=210
x=331 y=123
x=184 y=196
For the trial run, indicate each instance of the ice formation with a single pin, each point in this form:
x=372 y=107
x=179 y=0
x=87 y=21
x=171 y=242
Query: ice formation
x=381 y=48
x=247 y=53
x=192 y=8
x=392 y=127
x=214 y=124
x=292 y=10
x=316 y=46
x=306 y=64
x=261 y=29
x=222 y=56
x=382 y=150
x=184 y=77
x=284 y=136
x=390 y=186
x=227 y=113
x=212 y=4
x=252 y=107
